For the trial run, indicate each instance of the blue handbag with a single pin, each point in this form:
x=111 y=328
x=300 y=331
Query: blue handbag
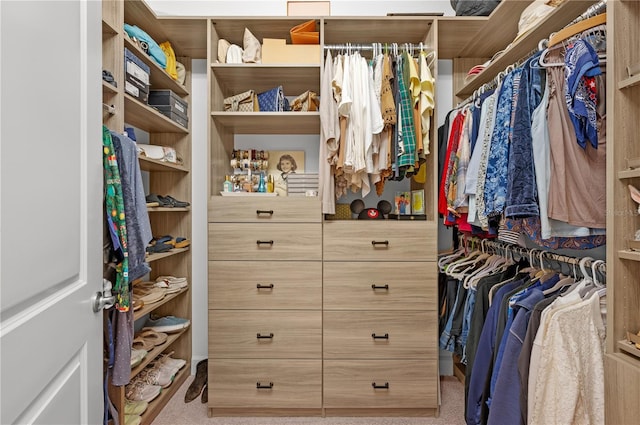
x=273 y=100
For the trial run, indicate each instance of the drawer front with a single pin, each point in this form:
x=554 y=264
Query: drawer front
x=398 y=384
x=257 y=209
x=380 y=286
x=283 y=383
x=262 y=242
x=378 y=240
x=380 y=335
x=265 y=334
x=265 y=285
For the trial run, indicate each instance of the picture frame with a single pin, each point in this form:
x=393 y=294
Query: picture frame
x=402 y=203
x=417 y=202
x=292 y=162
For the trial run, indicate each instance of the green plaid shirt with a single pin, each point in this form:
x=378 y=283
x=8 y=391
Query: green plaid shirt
x=407 y=130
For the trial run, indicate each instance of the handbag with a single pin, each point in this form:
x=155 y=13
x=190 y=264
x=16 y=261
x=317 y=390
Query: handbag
x=305 y=33
x=273 y=100
x=307 y=101
x=243 y=102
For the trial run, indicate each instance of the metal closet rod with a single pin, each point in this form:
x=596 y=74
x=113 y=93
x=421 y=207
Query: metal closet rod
x=370 y=46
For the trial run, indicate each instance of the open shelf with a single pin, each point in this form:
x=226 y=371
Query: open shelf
x=629 y=174
x=295 y=79
x=148 y=308
x=149 y=119
x=108 y=88
x=629 y=255
x=167 y=209
x=629 y=82
x=175 y=251
x=148 y=164
x=269 y=122
x=629 y=347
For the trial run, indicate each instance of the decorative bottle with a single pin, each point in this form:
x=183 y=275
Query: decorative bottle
x=227 y=186
x=262 y=188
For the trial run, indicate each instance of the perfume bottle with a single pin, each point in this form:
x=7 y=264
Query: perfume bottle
x=262 y=187
x=270 y=184
x=227 y=186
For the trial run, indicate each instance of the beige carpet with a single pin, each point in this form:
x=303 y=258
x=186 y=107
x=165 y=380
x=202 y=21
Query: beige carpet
x=177 y=412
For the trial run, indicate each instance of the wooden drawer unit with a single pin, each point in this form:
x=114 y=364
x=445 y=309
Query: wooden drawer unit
x=265 y=242
x=267 y=384
x=380 y=286
x=379 y=335
x=377 y=240
x=256 y=209
x=265 y=285
x=376 y=384
x=265 y=334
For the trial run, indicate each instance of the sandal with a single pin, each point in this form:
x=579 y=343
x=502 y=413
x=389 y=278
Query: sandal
x=182 y=243
x=141 y=344
x=148 y=295
x=152 y=337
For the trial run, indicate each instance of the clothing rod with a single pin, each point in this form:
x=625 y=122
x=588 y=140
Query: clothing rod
x=370 y=46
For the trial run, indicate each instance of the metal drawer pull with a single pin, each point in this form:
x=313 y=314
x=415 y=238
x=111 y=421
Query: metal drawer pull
x=260 y=336
x=264 y=387
x=374 y=243
x=374 y=287
x=269 y=286
x=265 y=242
x=374 y=336
x=258 y=212
x=380 y=387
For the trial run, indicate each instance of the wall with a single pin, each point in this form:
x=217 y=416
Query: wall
x=199 y=127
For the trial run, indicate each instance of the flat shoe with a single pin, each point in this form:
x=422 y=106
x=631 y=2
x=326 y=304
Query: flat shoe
x=152 y=337
x=200 y=380
x=173 y=202
x=182 y=242
x=154 y=199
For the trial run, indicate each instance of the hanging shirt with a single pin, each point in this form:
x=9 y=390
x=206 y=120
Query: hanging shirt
x=329 y=136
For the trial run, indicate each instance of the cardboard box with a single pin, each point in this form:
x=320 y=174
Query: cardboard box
x=308 y=8
x=277 y=51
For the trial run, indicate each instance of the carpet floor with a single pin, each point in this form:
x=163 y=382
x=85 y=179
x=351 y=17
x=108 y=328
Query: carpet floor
x=177 y=412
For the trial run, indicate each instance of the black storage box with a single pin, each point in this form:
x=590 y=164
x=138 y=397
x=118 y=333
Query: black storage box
x=168 y=98
x=134 y=88
x=167 y=111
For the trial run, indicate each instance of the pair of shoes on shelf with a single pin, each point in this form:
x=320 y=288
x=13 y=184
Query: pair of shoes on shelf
x=139 y=390
x=148 y=294
x=166 y=359
x=137 y=355
x=171 y=283
x=154 y=200
x=108 y=77
x=147 y=339
x=132 y=419
x=199 y=383
x=135 y=407
x=157 y=374
x=167 y=324
x=178 y=242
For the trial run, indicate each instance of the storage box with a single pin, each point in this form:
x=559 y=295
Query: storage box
x=166 y=111
x=277 y=51
x=135 y=91
x=134 y=66
x=169 y=98
x=308 y=8
x=141 y=85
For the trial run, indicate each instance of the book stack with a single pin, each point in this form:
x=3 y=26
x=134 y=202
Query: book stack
x=302 y=184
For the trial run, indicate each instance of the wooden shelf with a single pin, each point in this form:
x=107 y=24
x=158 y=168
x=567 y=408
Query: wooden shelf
x=629 y=255
x=108 y=88
x=148 y=164
x=455 y=32
x=149 y=119
x=156 y=351
x=560 y=17
x=167 y=209
x=159 y=78
x=148 y=308
x=629 y=82
x=108 y=29
x=295 y=79
x=156 y=406
x=269 y=122
x=628 y=347
x=155 y=257
x=629 y=174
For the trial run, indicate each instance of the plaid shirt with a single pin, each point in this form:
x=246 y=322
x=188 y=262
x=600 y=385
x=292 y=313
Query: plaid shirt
x=407 y=132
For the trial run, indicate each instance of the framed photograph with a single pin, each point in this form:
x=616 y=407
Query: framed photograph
x=403 y=203
x=417 y=201
x=281 y=164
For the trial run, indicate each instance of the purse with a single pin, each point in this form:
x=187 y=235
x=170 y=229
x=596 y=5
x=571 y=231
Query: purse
x=273 y=100
x=307 y=101
x=243 y=102
x=305 y=33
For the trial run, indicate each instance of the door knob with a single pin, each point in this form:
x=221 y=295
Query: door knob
x=104 y=299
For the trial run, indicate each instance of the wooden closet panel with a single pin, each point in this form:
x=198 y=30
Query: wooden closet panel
x=296 y=383
x=377 y=240
x=349 y=384
x=251 y=241
x=411 y=286
x=294 y=334
x=234 y=285
x=350 y=334
x=257 y=209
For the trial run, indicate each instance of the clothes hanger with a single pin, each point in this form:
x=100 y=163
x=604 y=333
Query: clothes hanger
x=577 y=28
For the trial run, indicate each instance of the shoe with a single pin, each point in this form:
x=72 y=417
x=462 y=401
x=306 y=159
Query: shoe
x=167 y=360
x=198 y=383
x=157 y=376
x=135 y=407
x=205 y=394
x=182 y=243
x=137 y=356
x=108 y=77
x=132 y=419
x=173 y=201
x=148 y=295
x=153 y=199
x=167 y=324
x=151 y=337
x=171 y=284
x=159 y=247
x=138 y=390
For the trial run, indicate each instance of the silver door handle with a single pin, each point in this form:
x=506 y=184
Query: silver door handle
x=104 y=299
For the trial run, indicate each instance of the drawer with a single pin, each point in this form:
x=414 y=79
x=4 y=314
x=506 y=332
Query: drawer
x=380 y=286
x=400 y=384
x=379 y=240
x=265 y=334
x=261 y=242
x=378 y=335
x=272 y=209
x=283 y=383
x=265 y=285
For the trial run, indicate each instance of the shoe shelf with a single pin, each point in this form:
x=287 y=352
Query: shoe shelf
x=149 y=119
x=153 y=354
x=629 y=82
x=108 y=88
x=629 y=345
x=159 y=78
x=167 y=209
x=175 y=251
x=629 y=255
x=148 y=164
x=269 y=122
x=148 y=308
x=156 y=405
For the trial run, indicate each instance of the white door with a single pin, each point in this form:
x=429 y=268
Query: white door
x=50 y=212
